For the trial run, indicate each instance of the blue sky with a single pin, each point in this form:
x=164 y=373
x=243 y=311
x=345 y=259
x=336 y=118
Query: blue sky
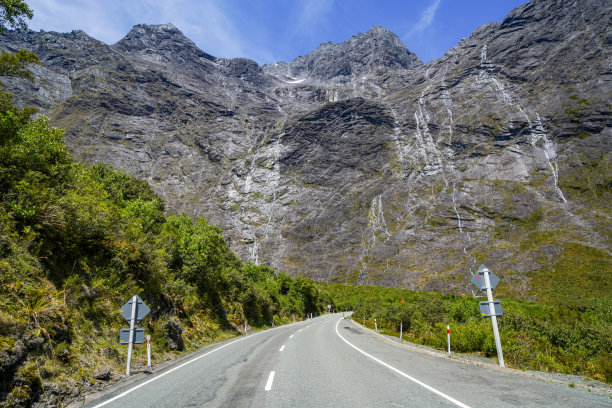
x=268 y=31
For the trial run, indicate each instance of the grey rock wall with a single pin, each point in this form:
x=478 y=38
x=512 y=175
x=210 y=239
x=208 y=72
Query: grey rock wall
x=357 y=162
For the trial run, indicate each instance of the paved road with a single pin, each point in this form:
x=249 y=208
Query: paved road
x=331 y=362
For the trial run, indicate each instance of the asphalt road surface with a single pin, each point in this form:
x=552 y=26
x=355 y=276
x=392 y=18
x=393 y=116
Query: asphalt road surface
x=332 y=362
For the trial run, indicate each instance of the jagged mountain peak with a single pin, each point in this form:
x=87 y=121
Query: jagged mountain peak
x=162 y=43
x=382 y=34
x=151 y=36
x=376 y=36
x=377 y=51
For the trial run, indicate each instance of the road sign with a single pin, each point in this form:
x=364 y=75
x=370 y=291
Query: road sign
x=487 y=281
x=139 y=335
x=479 y=280
x=133 y=312
x=141 y=310
x=485 y=310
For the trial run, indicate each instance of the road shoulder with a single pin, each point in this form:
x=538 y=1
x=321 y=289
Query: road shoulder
x=546 y=377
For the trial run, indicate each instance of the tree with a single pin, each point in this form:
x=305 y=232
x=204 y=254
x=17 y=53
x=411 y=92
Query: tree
x=12 y=119
x=15 y=64
x=13 y=14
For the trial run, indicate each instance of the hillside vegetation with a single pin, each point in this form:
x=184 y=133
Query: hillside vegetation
x=551 y=337
x=76 y=242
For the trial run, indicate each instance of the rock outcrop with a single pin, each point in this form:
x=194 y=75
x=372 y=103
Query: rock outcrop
x=377 y=51
x=357 y=162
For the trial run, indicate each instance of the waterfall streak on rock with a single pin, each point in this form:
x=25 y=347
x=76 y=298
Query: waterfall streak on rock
x=538 y=137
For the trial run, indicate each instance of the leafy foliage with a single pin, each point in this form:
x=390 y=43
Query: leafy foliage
x=16 y=64
x=11 y=118
x=13 y=14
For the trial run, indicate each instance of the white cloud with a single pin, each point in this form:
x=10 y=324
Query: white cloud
x=93 y=17
x=426 y=19
x=311 y=14
x=205 y=22
x=211 y=24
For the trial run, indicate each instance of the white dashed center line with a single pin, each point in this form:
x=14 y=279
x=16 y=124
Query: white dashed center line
x=282 y=348
x=291 y=336
x=270 y=380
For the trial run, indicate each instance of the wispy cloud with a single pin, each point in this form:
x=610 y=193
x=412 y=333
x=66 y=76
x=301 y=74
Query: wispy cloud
x=93 y=17
x=427 y=17
x=206 y=22
x=311 y=14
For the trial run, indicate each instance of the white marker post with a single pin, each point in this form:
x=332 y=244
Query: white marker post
x=148 y=351
x=448 y=337
x=500 y=355
x=375 y=326
x=131 y=340
x=401 y=330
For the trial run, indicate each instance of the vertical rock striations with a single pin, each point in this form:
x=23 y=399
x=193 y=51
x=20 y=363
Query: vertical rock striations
x=357 y=162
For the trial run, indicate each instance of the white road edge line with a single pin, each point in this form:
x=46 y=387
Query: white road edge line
x=270 y=380
x=282 y=348
x=123 y=394
x=422 y=384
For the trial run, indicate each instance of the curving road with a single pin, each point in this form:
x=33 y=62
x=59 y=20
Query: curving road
x=332 y=362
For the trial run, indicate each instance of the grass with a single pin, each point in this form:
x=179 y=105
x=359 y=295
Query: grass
x=577 y=279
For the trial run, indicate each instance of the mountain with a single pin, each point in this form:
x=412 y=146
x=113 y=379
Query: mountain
x=357 y=162
x=377 y=50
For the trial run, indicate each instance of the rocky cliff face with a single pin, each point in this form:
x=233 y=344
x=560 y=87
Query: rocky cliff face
x=379 y=51
x=357 y=162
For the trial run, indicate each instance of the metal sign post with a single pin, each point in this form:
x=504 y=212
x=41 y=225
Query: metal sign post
x=500 y=354
x=133 y=312
x=487 y=281
x=131 y=341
